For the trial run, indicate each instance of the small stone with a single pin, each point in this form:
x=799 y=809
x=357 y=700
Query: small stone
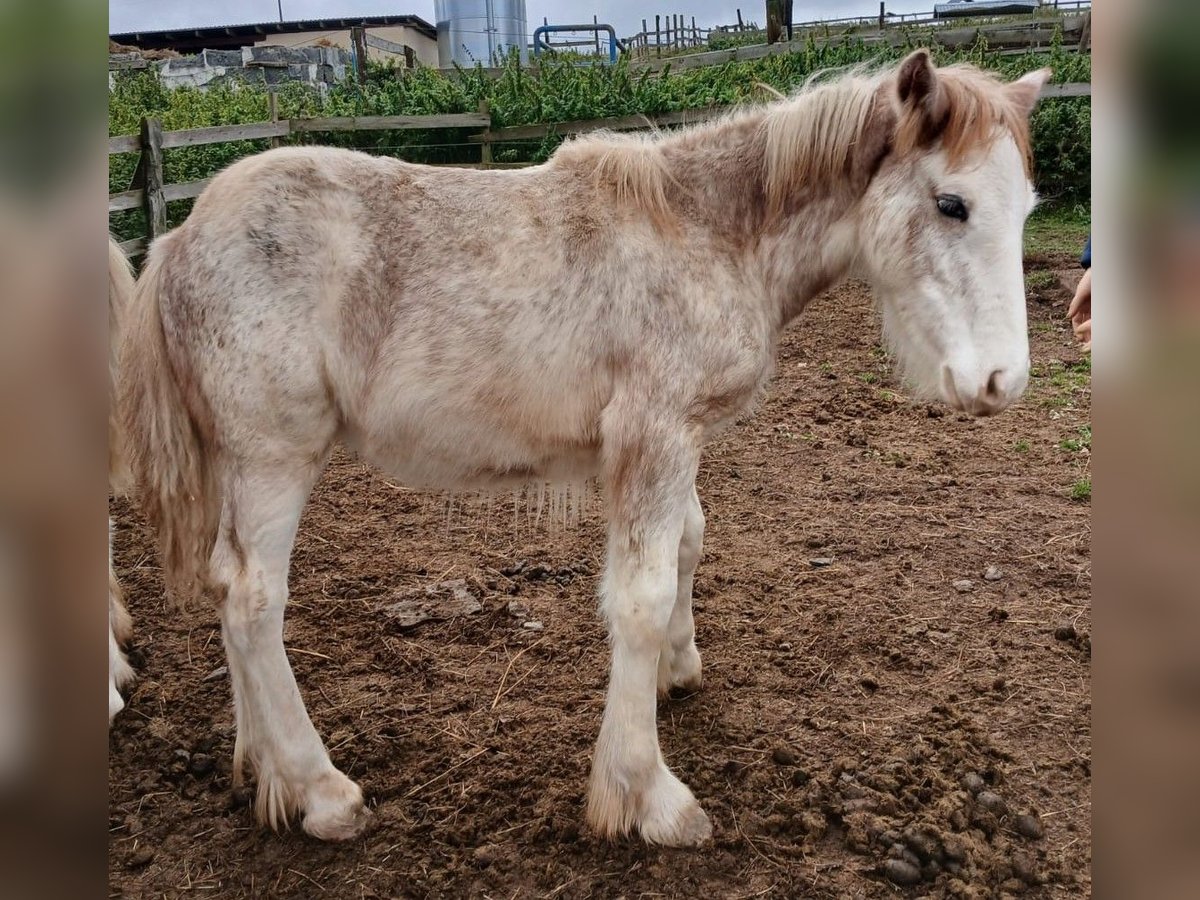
x=899 y=871
x=1029 y=826
x=201 y=764
x=992 y=573
x=963 y=585
x=800 y=778
x=992 y=802
x=537 y=573
x=218 y=672
x=517 y=609
x=785 y=646
x=821 y=562
x=1065 y=632
x=514 y=569
x=869 y=683
x=533 y=625
x=783 y=756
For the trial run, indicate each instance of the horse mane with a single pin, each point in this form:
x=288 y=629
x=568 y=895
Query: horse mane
x=631 y=166
x=976 y=104
x=809 y=136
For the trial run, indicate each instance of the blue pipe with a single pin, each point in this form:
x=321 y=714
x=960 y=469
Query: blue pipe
x=539 y=45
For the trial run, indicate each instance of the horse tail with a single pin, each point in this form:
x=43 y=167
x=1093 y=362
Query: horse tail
x=167 y=425
x=120 y=293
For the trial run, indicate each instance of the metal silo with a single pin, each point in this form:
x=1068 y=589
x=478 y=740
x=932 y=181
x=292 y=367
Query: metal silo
x=479 y=31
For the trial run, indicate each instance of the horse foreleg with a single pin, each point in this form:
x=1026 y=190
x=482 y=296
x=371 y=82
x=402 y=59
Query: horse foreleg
x=631 y=786
x=274 y=732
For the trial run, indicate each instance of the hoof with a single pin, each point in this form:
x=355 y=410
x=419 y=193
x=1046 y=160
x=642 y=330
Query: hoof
x=679 y=670
x=335 y=810
x=673 y=818
x=663 y=813
x=116 y=702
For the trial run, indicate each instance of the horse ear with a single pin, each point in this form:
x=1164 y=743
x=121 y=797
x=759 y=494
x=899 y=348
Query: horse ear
x=1025 y=91
x=920 y=91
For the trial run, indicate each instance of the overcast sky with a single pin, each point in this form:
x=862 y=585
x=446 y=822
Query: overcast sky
x=624 y=15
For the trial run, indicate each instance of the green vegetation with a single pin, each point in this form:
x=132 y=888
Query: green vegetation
x=1083 y=442
x=1082 y=489
x=1058 y=229
x=1021 y=446
x=1065 y=381
x=554 y=90
x=1039 y=280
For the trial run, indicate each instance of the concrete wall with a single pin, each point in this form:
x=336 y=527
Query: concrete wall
x=300 y=59
x=424 y=47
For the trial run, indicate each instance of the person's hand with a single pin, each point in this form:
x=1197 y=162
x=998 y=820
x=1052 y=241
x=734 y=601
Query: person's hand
x=1080 y=310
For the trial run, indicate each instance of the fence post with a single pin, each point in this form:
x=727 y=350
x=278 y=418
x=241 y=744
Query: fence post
x=882 y=13
x=152 y=170
x=485 y=148
x=741 y=24
x=774 y=20
x=358 y=41
x=1085 y=36
x=657 y=36
x=273 y=109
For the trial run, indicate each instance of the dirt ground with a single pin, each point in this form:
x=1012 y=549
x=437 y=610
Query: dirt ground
x=881 y=715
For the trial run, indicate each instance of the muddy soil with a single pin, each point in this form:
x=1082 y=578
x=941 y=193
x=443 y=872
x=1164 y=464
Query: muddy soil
x=894 y=613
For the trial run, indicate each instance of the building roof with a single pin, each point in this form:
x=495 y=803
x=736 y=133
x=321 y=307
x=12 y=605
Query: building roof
x=217 y=36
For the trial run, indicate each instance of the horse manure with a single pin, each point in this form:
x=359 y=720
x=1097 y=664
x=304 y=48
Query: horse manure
x=1029 y=826
x=902 y=872
x=783 y=755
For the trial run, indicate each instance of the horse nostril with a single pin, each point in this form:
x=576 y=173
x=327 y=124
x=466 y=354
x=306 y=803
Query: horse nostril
x=993 y=393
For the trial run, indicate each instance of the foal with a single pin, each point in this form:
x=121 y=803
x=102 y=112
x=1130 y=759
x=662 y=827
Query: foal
x=606 y=313
x=120 y=628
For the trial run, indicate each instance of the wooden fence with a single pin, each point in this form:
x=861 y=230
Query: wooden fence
x=671 y=32
x=151 y=192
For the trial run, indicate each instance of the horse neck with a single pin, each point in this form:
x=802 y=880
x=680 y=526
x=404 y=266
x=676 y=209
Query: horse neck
x=718 y=173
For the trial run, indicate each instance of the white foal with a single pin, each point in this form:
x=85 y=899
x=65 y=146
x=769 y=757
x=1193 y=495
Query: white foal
x=469 y=330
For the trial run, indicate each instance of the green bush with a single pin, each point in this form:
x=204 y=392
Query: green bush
x=552 y=90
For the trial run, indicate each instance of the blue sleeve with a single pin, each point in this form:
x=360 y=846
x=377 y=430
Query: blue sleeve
x=1086 y=261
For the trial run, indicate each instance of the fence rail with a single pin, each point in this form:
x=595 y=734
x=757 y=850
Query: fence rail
x=154 y=193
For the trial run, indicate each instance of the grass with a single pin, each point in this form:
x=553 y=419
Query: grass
x=1083 y=442
x=1021 y=446
x=1057 y=229
x=1082 y=489
x=1066 y=380
x=1039 y=280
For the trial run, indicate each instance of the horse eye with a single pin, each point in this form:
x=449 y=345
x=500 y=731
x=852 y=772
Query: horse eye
x=952 y=205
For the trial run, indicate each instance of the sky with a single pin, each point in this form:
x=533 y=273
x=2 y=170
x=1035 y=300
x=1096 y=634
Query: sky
x=624 y=15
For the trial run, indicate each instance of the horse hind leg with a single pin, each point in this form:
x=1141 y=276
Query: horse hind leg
x=120 y=629
x=274 y=732
x=679 y=660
